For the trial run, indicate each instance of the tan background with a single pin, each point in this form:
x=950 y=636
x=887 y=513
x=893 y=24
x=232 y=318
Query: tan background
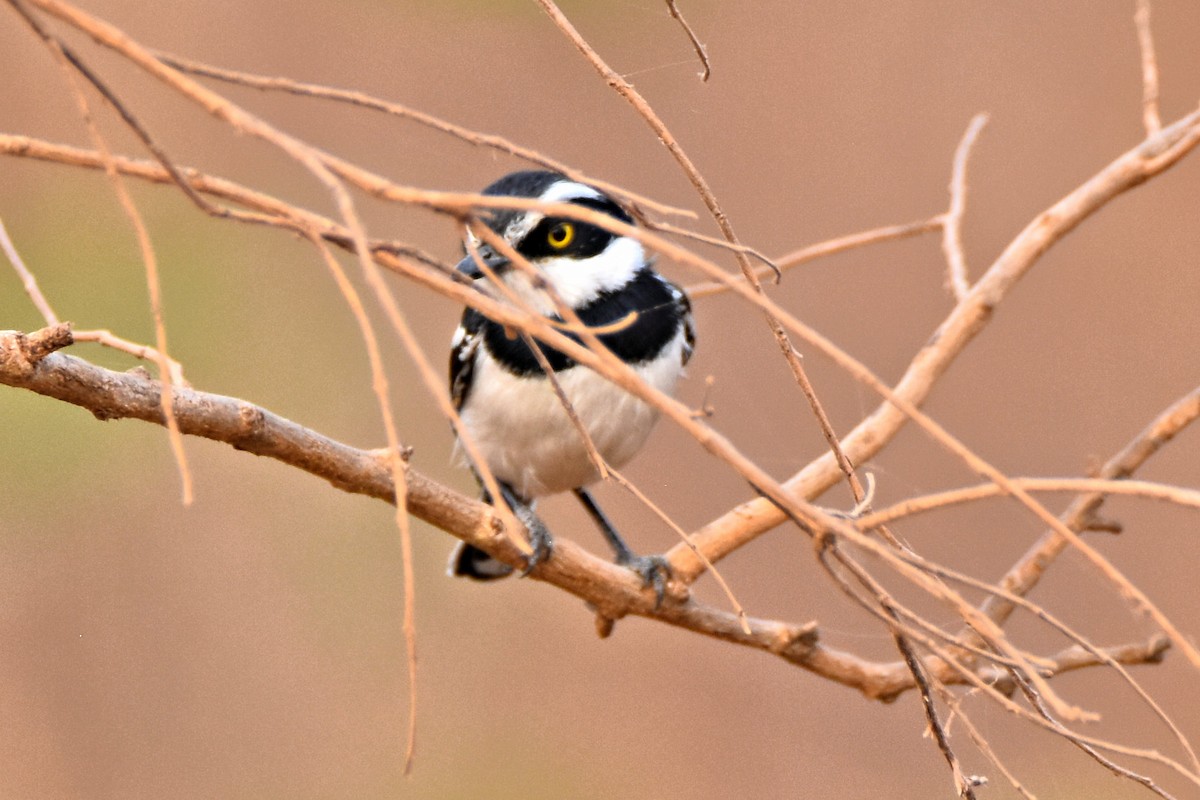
x=250 y=646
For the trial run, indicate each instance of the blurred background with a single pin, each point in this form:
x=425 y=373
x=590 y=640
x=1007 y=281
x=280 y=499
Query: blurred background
x=250 y=646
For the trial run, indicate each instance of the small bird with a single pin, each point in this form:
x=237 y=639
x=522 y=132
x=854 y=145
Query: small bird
x=508 y=405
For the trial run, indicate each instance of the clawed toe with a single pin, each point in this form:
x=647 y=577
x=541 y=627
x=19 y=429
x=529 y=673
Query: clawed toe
x=654 y=570
x=541 y=542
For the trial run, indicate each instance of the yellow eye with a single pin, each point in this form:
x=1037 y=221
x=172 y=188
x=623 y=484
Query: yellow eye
x=561 y=235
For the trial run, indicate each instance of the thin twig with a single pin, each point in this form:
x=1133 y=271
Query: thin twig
x=1082 y=654
x=103 y=337
x=965 y=785
x=27 y=279
x=918 y=505
x=890 y=611
x=379 y=384
x=986 y=686
x=364 y=100
x=952 y=246
x=713 y=241
x=1150 y=117
x=1028 y=570
x=629 y=486
x=830 y=247
x=1036 y=701
x=143 y=351
x=69 y=66
x=602 y=468
x=699 y=48
x=981 y=742
x=782 y=340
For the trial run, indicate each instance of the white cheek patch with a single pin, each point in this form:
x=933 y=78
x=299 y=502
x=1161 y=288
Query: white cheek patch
x=579 y=281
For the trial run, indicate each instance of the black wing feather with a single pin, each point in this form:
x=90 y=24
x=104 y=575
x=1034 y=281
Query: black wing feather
x=467 y=340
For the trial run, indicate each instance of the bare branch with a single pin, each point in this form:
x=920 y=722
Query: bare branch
x=830 y=247
x=1026 y=573
x=612 y=589
x=1088 y=747
x=1150 y=118
x=919 y=505
x=27 y=279
x=363 y=100
x=952 y=246
x=69 y=65
x=966 y=786
x=699 y=48
x=934 y=659
x=782 y=340
x=754 y=517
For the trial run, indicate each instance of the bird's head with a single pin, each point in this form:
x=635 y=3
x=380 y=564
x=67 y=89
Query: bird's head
x=578 y=259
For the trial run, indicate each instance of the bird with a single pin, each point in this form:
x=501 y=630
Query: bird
x=505 y=400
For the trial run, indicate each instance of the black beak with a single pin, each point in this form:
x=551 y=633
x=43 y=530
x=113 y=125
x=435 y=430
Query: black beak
x=469 y=266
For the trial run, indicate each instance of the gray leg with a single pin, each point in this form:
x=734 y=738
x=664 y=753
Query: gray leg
x=655 y=570
x=539 y=538
x=471 y=562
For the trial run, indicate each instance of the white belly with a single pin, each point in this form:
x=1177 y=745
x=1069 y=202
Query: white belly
x=529 y=442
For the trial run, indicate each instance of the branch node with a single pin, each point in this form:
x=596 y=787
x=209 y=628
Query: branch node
x=20 y=352
x=42 y=343
x=250 y=421
x=799 y=643
x=1156 y=649
x=604 y=625
x=1101 y=524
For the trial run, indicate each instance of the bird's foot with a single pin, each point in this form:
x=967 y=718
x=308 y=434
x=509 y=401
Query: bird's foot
x=655 y=571
x=540 y=540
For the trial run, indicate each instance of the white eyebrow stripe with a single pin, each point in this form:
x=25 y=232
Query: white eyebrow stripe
x=566 y=191
x=520 y=227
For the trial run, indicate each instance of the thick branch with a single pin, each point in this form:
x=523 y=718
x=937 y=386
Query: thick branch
x=27 y=362
x=24 y=363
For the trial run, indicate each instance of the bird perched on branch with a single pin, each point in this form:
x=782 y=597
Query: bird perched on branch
x=511 y=409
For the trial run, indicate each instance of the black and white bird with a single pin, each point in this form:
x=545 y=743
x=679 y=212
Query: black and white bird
x=508 y=405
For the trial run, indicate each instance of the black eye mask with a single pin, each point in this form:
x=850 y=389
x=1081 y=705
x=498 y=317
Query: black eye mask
x=582 y=240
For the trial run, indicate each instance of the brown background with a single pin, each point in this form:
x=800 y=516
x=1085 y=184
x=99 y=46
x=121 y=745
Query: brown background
x=250 y=646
